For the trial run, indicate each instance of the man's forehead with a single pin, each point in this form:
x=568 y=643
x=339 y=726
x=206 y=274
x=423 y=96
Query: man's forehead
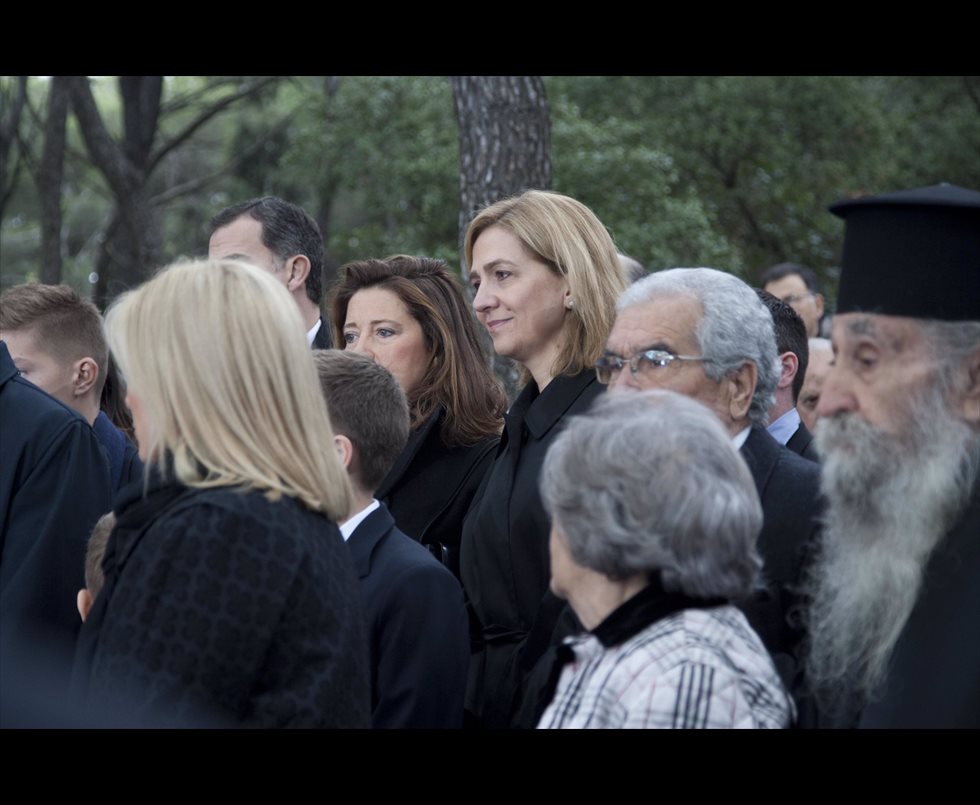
x=896 y=332
x=664 y=317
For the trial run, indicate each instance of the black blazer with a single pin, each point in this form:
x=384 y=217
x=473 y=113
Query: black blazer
x=417 y=628
x=801 y=443
x=430 y=487
x=789 y=490
x=505 y=564
x=54 y=485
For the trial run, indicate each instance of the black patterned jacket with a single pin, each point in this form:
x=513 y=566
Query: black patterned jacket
x=223 y=608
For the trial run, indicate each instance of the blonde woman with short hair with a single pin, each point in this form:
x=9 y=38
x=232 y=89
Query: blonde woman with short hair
x=546 y=277
x=229 y=598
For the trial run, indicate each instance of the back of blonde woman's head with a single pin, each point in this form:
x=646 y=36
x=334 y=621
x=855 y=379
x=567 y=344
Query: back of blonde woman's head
x=216 y=352
x=568 y=237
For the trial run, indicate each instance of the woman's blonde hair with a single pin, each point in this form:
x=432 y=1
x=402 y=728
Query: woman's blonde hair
x=565 y=235
x=216 y=351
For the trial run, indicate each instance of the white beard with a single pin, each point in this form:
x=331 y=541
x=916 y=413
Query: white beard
x=891 y=499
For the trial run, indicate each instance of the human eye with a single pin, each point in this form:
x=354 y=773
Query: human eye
x=866 y=357
x=501 y=274
x=654 y=357
x=384 y=332
x=350 y=337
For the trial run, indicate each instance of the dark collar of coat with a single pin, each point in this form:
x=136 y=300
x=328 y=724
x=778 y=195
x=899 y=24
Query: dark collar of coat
x=367 y=536
x=761 y=453
x=648 y=606
x=7 y=368
x=541 y=410
x=408 y=453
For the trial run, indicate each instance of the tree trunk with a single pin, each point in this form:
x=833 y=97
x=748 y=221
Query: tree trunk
x=504 y=149
x=133 y=247
x=504 y=140
x=9 y=125
x=49 y=180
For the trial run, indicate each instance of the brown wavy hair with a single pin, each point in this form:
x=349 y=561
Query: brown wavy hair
x=458 y=376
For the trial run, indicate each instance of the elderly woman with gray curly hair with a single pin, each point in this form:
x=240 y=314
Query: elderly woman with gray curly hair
x=655 y=518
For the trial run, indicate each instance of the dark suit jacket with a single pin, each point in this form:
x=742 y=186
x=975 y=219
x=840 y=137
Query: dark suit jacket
x=54 y=485
x=789 y=490
x=801 y=443
x=323 y=339
x=417 y=625
x=430 y=488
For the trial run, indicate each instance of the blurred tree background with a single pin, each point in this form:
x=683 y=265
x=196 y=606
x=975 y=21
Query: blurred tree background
x=103 y=180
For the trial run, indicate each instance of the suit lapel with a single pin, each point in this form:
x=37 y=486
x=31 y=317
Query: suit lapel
x=366 y=537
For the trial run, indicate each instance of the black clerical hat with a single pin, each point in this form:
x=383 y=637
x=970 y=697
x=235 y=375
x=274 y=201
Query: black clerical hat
x=913 y=253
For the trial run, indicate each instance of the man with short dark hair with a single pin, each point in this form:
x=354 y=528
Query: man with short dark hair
x=417 y=622
x=895 y=615
x=785 y=425
x=796 y=285
x=284 y=240
x=821 y=356
x=56 y=340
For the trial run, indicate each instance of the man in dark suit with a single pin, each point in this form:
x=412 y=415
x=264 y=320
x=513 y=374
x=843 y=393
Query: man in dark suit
x=419 y=633
x=785 y=424
x=284 y=240
x=54 y=485
x=894 y=618
x=706 y=334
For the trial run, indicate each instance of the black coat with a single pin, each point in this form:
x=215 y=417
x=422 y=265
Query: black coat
x=417 y=628
x=54 y=485
x=505 y=564
x=801 y=443
x=430 y=488
x=789 y=490
x=221 y=607
x=124 y=461
x=934 y=673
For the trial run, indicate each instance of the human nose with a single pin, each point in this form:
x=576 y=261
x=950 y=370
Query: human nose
x=483 y=299
x=835 y=397
x=361 y=345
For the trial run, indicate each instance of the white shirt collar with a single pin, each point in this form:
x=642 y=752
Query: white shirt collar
x=311 y=333
x=350 y=525
x=783 y=428
x=739 y=438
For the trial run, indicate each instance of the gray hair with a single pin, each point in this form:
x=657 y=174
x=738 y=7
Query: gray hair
x=650 y=482
x=735 y=326
x=952 y=342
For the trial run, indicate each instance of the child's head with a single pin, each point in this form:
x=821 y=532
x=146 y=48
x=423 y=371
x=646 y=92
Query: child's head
x=93 y=563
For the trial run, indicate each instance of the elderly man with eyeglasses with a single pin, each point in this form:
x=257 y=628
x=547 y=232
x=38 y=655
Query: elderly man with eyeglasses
x=706 y=334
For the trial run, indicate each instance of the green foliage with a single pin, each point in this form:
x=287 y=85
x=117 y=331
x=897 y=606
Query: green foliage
x=730 y=171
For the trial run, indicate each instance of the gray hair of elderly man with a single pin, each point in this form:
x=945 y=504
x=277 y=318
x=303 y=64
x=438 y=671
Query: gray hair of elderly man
x=735 y=326
x=649 y=482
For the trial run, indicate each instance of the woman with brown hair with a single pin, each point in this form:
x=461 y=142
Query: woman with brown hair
x=409 y=315
x=547 y=278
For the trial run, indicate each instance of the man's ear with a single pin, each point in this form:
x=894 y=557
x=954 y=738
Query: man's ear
x=84 y=376
x=84 y=602
x=345 y=449
x=967 y=400
x=791 y=365
x=298 y=269
x=741 y=384
x=818 y=301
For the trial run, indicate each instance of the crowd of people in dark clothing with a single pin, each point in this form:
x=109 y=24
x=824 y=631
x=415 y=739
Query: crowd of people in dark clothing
x=222 y=506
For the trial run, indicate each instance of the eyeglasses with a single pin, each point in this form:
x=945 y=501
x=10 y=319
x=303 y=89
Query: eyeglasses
x=793 y=298
x=608 y=367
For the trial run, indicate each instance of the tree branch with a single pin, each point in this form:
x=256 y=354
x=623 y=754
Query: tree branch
x=105 y=152
x=203 y=118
